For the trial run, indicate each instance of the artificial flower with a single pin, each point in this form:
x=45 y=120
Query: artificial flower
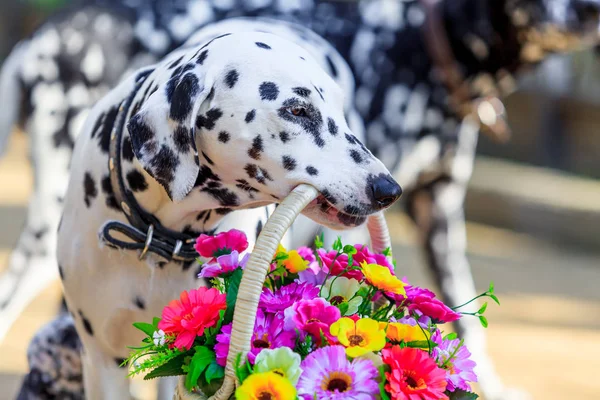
x=341 y=290
x=189 y=316
x=159 y=337
x=283 y=361
x=337 y=264
x=313 y=317
x=328 y=375
x=424 y=300
x=266 y=386
x=381 y=277
x=359 y=337
x=455 y=360
x=286 y=296
x=222 y=243
x=397 y=332
x=268 y=334
x=223 y=265
x=314 y=274
x=363 y=254
x=413 y=375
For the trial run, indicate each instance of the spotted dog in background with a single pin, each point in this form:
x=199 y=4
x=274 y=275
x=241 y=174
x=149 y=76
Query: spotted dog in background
x=64 y=68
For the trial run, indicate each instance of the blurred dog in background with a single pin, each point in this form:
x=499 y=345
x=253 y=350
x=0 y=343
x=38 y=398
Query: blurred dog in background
x=428 y=74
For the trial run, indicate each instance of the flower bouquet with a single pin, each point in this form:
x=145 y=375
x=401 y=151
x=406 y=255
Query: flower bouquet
x=329 y=324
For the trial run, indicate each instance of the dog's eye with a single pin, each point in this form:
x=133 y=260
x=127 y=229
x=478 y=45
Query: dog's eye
x=297 y=111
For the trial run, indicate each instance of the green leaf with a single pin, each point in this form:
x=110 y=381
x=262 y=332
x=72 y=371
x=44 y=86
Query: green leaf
x=421 y=344
x=201 y=359
x=460 y=394
x=482 y=309
x=319 y=239
x=484 y=321
x=491 y=288
x=242 y=371
x=155 y=322
x=493 y=297
x=214 y=371
x=343 y=307
x=382 y=380
x=337 y=245
x=173 y=367
x=451 y=336
x=387 y=252
x=145 y=327
x=232 y=292
x=349 y=249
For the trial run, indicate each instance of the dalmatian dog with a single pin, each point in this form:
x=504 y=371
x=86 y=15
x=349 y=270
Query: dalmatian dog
x=225 y=123
x=409 y=123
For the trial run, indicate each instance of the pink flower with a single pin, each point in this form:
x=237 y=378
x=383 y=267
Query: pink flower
x=223 y=264
x=286 y=296
x=268 y=334
x=336 y=265
x=222 y=243
x=189 y=316
x=363 y=254
x=424 y=300
x=313 y=317
x=458 y=366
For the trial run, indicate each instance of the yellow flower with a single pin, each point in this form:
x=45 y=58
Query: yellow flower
x=267 y=386
x=381 y=277
x=294 y=263
x=398 y=332
x=359 y=337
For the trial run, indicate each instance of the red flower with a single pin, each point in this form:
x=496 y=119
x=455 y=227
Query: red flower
x=188 y=317
x=413 y=375
x=222 y=243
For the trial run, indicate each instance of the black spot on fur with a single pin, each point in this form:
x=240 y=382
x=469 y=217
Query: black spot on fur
x=245 y=186
x=289 y=163
x=176 y=62
x=175 y=78
x=231 y=78
x=183 y=139
x=90 y=190
x=284 y=136
x=333 y=128
x=136 y=181
x=205 y=174
x=302 y=58
x=163 y=166
x=139 y=302
x=356 y=156
x=225 y=197
x=302 y=91
x=202 y=57
x=208 y=121
x=207 y=158
x=211 y=94
x=223 y=211
x=86 y=324
x=261 y=175
x=181 y=102
x=250 y=116
x=127 y=149
x=142 y=136
x=332 y=68
x=257 y=148
x=263 y=45
x=319 y=92
x=351 y=139
x=111 y=201
x=224 y=137
x=268 y=91
x=107 y=127
x=312 y=171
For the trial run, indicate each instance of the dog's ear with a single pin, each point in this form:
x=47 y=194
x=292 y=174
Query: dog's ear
x=163 y=132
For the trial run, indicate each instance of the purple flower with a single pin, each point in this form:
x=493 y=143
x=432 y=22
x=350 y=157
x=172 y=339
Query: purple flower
x=224 y=264
x=458 y=366
x=328 y=375
x=268 y=334
x=286 y=296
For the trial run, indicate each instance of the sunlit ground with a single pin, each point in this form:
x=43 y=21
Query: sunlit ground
x=545 y=337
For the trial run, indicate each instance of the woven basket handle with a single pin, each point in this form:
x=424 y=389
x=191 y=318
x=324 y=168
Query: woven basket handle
x=258 y=266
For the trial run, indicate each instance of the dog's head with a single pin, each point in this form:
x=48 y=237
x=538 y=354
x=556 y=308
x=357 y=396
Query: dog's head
x=245 y=119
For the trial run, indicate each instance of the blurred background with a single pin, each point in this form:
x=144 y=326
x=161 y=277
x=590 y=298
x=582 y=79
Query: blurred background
x=533 y=211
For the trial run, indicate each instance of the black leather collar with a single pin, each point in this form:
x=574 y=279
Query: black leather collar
x=145 y=231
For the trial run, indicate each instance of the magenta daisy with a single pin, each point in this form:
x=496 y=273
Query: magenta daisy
x=456 y=362
x=286 y=296
x=328 y=375
x=268 y=334
x=314 y=317
x=224 y=264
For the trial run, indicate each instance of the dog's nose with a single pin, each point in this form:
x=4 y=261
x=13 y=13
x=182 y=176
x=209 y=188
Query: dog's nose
x=385 y=191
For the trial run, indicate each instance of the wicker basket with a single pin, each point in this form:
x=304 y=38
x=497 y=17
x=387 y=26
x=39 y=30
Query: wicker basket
x=254 y=277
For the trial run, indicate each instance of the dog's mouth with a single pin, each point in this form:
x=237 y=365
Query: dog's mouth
x=325 y=212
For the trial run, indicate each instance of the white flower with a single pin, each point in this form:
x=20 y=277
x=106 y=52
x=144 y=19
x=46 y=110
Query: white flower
x=343 y=290
x=282 y=361
x=159 y=337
